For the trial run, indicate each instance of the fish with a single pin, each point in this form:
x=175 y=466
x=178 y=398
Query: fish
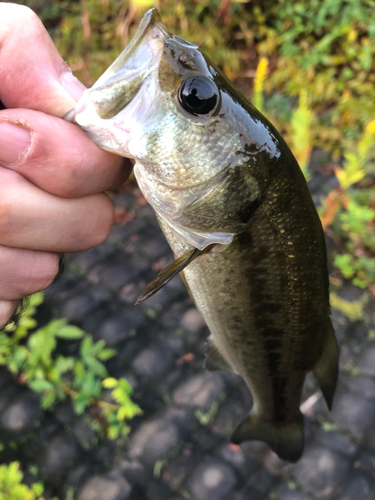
x=237 y=212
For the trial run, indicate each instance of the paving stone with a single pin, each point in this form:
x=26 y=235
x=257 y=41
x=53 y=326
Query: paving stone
x=9 y=392
x=200 y=390
x=366 y=461
x=363 y=385
x=354 y=412
x=68 y=285
x=212 y=479
x=261 y=481
x=105 y=487
x=322 y=472
x=247 y=493
x=64 y=413
x=231 y=412
x=285 y=493
x=5 y=378
x=366 y=362
x=156 y=439
x=244 y=464
x=119 y=327
x=133 y=470
x=153 y=360
x=157 y=490
x=86 y=260
x=336 y=442
x=181 y=466
x=154 y=246
x=114 y=276
x=193 y=321
x=359 y=489
x=97 y=317
x=84 y=433
x=33 y=449
x=22 y=414
x=75 y=477
x=78 y=307
x=120 y=234
x=60 y=455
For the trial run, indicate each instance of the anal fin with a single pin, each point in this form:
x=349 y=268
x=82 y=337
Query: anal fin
x=326 y=369
x=214 y=360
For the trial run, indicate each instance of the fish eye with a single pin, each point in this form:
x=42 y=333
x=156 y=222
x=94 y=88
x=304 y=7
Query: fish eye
x=198 y=95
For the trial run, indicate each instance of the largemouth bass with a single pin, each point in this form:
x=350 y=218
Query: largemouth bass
x=236 y=210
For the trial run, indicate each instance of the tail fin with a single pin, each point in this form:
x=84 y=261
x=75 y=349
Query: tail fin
x=327 y=368
x=286 y=440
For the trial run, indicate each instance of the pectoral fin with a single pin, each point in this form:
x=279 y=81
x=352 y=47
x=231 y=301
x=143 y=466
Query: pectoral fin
x=214 y=360
x=168 y=273
x=326 y=369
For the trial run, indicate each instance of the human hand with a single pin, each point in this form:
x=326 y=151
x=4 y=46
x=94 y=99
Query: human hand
x=52 y=175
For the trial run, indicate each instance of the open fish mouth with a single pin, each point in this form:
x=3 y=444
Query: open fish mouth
x=118 y=86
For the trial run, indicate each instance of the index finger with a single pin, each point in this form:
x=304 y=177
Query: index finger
x=32 y=73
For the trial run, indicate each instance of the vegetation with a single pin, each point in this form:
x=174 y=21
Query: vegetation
x=11 y=487
x=31 y=354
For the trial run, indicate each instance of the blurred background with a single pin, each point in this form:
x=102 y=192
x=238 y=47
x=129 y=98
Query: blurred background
x=104 y=400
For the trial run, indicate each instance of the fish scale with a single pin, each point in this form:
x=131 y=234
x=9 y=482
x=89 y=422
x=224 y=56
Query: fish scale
x=237 y=213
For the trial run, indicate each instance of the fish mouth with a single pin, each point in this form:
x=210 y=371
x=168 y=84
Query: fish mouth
x=117 y=87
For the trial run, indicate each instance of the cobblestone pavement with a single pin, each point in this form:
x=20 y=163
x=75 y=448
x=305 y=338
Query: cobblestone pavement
x=178 y=449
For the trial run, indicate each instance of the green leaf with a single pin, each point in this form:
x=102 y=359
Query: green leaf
x=106 y=354
x=70 y=332
x=36 y=299
x=20 y=355
x=97 y=348
x=86 y=346
x=96 y=366
x=114 y=431
x=37 y=488
x=63 y=364
x=79 y=371
x=48 y=399
x=80 y=403
x=110 y=382
x=40 y=385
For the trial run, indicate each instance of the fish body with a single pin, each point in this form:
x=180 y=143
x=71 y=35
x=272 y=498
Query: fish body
x=222 y=180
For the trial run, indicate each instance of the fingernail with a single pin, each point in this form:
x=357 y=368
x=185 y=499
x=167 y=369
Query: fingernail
x=72 y=85
x=14 y=142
